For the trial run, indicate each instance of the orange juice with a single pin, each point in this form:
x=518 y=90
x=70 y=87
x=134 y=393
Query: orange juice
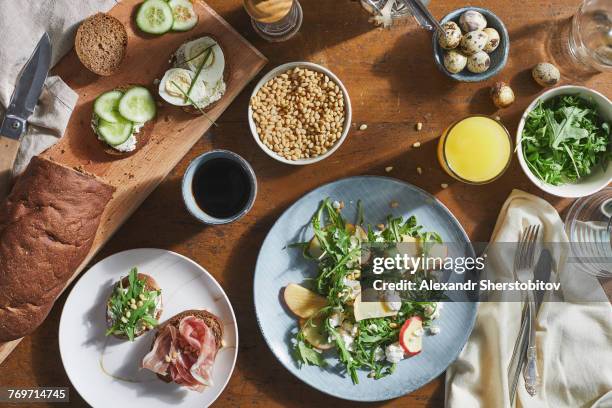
x=475 y=150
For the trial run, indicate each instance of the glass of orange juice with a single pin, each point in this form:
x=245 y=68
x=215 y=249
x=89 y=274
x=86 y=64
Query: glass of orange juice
x=475 y=150
x=275 y=20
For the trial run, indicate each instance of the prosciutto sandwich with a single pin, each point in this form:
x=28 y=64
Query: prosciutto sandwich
x=185 y=348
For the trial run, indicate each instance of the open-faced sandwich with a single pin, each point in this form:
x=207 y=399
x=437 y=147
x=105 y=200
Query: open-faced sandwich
x=120 y=118
x=197 y=77
x=185 y=348
x=134 y=306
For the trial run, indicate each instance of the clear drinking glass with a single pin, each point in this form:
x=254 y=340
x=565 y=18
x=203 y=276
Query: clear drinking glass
x=590 y=35
x=588 y=225
x=275 y=20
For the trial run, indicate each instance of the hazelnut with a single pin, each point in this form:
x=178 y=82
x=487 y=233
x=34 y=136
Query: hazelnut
x=502 y=95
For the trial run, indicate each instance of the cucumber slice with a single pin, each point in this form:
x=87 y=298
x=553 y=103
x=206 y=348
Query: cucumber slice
x=185 y=17
x=115 y=133
x=106 y=106
x=137 y=105
x=154 y=17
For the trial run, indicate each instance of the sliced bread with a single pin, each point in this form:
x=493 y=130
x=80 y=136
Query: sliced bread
x=150 y=284
x=209 y=319
x=100 y=43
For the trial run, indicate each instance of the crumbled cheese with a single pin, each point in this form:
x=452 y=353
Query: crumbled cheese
x=394 y=352
x=347 y=338
x=335 y=319
x=379 y=354
x=433 y=311
x=434 y=330
x=353 y=287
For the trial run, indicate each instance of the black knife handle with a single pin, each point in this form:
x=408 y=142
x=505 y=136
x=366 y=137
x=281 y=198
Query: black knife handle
x=12 y=127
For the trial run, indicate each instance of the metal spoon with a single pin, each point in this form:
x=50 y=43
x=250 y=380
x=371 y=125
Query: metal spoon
x=423 y=16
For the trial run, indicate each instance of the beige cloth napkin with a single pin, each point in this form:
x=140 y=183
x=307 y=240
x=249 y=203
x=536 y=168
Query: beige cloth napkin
x=22 y=23
x=574 y=340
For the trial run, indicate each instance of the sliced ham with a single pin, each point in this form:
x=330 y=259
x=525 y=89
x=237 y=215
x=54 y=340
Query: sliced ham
x=164 y=346
x=191 y=350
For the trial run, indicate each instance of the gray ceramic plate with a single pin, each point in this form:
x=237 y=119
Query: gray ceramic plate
x=278 y=266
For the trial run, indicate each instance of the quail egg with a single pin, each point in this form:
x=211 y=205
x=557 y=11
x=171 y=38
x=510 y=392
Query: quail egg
x=546 y=74
x=454 y=61
x=493 y=39
x=472 y=20
x=473 y=42
x=478 y=62
x=451 y=37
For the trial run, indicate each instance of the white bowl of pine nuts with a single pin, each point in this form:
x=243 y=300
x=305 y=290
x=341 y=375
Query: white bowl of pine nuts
x=300 y=113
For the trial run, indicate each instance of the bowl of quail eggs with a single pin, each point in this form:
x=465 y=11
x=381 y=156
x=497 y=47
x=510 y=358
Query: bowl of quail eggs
x=473 y=46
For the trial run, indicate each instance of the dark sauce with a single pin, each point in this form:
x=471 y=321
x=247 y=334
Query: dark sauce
x=221 y=188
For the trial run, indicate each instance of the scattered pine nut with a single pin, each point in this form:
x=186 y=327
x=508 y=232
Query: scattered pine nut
x=419 y=170
x=363 y=127
x=419 y=126
x=497 y=118
x=393 y=204
x=444 y=185
x=388 y=169
x=381 y=227
x=416 y=144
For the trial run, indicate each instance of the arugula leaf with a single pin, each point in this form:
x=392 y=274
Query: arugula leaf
x=564 y=139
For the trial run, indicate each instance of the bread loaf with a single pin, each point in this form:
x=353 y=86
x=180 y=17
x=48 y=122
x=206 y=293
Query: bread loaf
x=47 y=226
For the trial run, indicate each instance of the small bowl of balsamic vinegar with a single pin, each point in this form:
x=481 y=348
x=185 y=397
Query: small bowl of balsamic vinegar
x=219 y=187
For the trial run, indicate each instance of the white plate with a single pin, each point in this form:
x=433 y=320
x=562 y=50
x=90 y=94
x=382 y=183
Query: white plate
x=85 y=349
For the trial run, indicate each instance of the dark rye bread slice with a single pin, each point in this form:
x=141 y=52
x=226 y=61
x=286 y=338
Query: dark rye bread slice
x=142 y=137
x=150 y=284
x=210 y=320
x=226 y=75
x=47 y=226
x=100 y=43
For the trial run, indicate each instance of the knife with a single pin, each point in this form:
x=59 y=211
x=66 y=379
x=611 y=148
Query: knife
x=541 y=272
x=23 y=101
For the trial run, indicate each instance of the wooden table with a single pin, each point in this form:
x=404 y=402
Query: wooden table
x=393 y=84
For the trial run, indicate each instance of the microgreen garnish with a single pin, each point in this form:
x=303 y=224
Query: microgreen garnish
x=132 y=308
x=195 y=105
x=199 y=71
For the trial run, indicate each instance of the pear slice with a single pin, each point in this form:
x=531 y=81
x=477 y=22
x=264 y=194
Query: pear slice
x=303 y=302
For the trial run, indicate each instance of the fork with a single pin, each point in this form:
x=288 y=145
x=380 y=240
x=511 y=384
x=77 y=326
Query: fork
x=523 y=269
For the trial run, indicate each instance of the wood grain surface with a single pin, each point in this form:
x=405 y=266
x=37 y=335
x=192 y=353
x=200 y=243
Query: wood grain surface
x=164 y=141
x=393 y=84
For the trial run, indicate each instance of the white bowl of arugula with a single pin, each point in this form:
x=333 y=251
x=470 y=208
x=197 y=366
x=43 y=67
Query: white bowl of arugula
x=563 y=141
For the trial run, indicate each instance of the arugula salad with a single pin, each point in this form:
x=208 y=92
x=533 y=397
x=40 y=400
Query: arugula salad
x=372 y=336
x=564 y=139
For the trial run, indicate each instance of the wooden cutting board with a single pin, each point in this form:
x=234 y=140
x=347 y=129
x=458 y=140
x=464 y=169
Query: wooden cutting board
x=174 y=132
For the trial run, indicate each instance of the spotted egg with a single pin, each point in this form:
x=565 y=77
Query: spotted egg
x=454 y=61
x=472 y=20
x=451 y=37
x=478 y=62
x=492 y=39
x=473 y=42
